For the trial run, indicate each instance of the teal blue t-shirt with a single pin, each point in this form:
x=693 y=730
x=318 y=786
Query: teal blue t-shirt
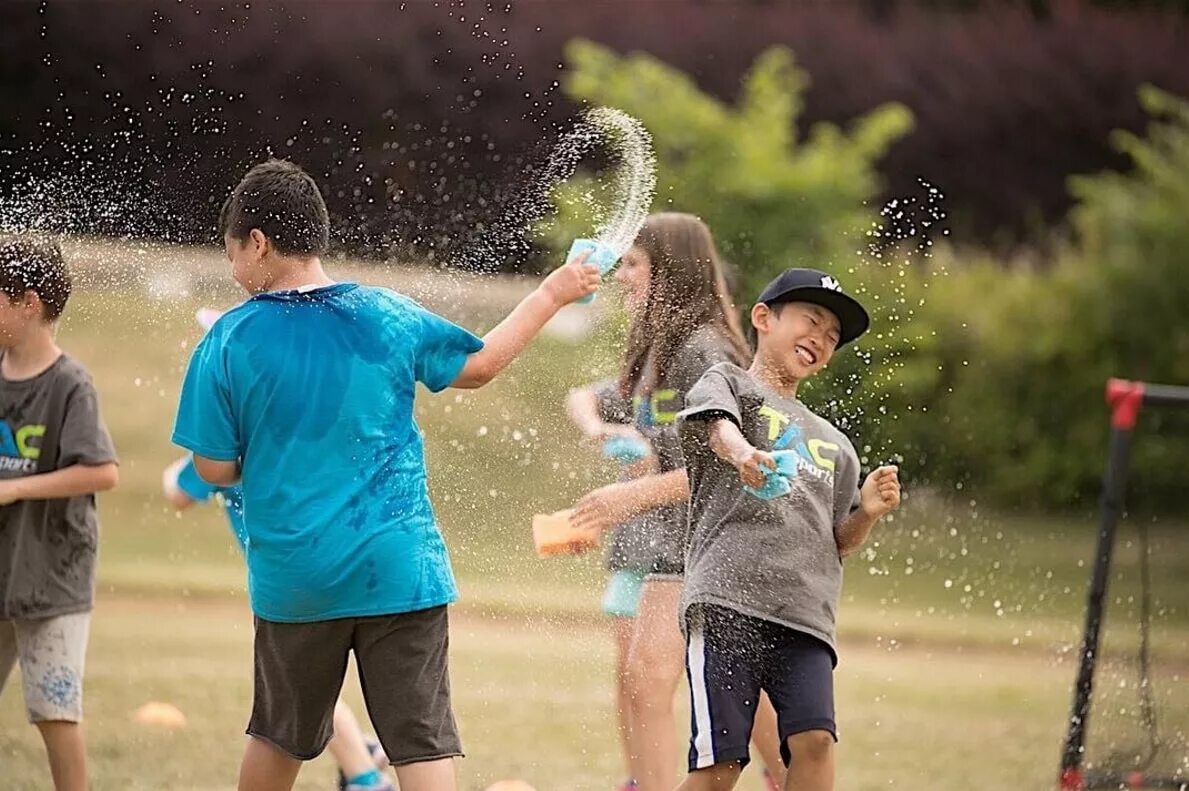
x=312 y=391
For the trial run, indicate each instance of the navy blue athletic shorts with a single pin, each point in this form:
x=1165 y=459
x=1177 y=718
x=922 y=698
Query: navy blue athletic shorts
x=729 y=658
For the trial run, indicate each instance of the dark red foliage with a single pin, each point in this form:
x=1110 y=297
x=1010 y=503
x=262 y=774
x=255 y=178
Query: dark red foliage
x=418 y=118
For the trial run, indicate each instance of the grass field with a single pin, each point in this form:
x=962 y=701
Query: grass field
x=959 y=627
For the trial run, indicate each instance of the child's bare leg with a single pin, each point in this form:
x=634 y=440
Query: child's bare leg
x=623 y=704
x=720 y=777
x=812 y=764
x=348 y=745
x=265 y=768
x=765 y=736
x=655 y=667
x=436 y=775
x=67 y=752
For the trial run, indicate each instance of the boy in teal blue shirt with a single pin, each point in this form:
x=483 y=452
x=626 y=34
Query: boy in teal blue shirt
x=303 y=395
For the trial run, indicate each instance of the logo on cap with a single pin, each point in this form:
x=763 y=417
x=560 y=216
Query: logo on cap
x=831 y=283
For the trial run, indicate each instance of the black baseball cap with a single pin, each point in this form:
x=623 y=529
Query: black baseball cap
x=810 y=285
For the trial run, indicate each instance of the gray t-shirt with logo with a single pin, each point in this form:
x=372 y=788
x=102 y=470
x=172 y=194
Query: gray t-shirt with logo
x=48 y=547
x=772 y=559
x=655 y=542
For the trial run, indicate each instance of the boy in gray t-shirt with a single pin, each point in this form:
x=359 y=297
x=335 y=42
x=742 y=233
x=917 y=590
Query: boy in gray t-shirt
x=55 y=454
x=775 y=504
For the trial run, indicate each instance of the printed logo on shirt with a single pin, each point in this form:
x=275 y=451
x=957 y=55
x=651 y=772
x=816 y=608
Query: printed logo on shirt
x=659 y=409
x=21 y=447
x=815 y=457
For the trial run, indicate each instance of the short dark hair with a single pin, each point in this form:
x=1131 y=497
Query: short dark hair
x=283 y=202
x=33 y=264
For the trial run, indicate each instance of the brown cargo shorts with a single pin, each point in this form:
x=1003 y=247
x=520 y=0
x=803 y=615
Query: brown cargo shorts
x=402 y=662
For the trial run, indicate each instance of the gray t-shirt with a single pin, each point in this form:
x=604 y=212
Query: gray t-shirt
x=48 y=547
x=627 y=548
x=772 y=559
x=656 y=418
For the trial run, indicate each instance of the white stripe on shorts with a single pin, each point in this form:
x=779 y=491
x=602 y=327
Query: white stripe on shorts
x=703 y=736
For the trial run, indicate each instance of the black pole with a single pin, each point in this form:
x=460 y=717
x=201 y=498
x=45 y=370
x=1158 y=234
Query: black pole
x=1125 y=401
x=1111 y=510
x=1166 y=395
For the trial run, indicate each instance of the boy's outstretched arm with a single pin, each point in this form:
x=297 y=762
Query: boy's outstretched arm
x=509 y=338
x=880 y=495
x=72 y=481
x=729 y=444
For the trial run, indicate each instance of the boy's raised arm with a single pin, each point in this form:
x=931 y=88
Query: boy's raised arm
x=509 y=338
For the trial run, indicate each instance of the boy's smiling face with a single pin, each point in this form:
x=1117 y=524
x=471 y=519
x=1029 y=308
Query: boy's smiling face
x=800 y=336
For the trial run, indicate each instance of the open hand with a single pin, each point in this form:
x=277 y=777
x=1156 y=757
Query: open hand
x=600 y=510
x=881 y=491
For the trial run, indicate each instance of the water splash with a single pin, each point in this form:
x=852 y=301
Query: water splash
x=629 y=188
x=634 y=180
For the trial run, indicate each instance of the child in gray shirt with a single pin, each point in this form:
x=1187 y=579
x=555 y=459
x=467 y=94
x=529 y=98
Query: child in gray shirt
x=55 y=454
x=775 y=505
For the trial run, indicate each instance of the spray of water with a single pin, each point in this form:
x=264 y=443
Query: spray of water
x=634 y=181
x=630 y=186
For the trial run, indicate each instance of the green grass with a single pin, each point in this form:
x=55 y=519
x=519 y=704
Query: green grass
x=959 y=627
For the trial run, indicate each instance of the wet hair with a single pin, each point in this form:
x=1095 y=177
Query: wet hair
x=282 y=201
x=32 y=264
x=687 y=290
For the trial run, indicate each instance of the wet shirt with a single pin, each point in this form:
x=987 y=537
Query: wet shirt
x=772 y=559
x=48 y=547
x=312 y=392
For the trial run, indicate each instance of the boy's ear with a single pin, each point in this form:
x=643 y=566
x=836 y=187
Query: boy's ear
x=761 y=315
x=259 y=241
x=32 y=301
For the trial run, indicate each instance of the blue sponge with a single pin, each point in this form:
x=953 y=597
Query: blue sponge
x=601 y=255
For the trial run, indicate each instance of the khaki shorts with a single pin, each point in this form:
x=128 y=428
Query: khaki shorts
x=51 y=652
x=402 y=669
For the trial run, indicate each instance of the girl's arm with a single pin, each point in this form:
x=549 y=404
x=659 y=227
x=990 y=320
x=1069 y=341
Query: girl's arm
x=616 y=503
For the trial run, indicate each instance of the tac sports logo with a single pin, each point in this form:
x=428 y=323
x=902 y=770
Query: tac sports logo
x=815 y=457
x=20 y=447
